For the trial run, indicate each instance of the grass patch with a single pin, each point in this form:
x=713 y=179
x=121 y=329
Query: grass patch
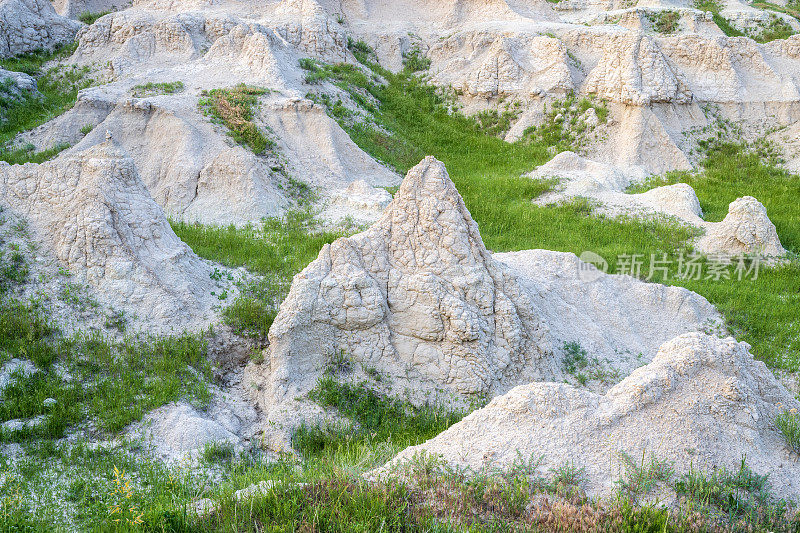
x=87 y=17
x=58 y=88
x=156 y=89
x=415 y=61
x=566 y=125
x=277 y=249
x=775 y=29
x=740 y=498
x=377 y=418
x=789 y=425
x=666 y=22
x=792 y=9
x=234 y=109
x=714 y=6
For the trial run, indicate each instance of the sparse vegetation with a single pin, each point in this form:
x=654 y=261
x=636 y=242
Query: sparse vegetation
x=788 y=423
x=57 y=88
x=739 y=498
x=234 y=108
x=666 y=21
x=87 y=17
x=156 y=89
x=567 y=124
x=415 y=61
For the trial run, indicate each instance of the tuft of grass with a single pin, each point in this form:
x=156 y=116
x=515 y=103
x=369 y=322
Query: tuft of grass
x=156 y=89
x=789 y=425
x=666 y=21
x=642 y=477
x=87 y=17
x=741 y=498
x=233 y=108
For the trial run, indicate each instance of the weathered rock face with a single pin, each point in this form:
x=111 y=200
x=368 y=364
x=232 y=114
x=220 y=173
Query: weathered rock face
x=96 y=215
x=28 y=25
x=416 y=296
x=745 y=230
x=634 y=71
x=703 y=402
x=619 y=320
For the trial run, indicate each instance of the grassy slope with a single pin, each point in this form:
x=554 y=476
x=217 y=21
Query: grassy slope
x=58 y=87
x=487 y=173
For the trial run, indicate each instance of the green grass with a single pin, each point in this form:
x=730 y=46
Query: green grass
x=87 y=17
x=789 y=9
x=378 y=419
x=234 y=108
x=789 y=425
x=666 y=22
x=714 y=6
x=277 y=249
x=739 y=497
x=156 y=89
x=58 y=88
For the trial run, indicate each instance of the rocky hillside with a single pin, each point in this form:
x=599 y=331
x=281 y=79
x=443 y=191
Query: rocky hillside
x=359 y=265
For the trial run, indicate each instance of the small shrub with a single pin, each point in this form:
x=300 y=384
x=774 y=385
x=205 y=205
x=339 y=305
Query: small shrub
x=87 y=129
x=575 y=357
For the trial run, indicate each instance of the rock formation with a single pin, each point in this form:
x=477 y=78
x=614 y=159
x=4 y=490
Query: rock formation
x=92 y=210
x=416 y=296
x=28 y=25
x=745 y=230
x=419 y=299
x=703 y=402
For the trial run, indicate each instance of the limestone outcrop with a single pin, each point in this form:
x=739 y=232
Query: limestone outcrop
x=702 y=403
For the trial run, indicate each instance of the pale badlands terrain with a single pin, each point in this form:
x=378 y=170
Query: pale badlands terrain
x=220 y=114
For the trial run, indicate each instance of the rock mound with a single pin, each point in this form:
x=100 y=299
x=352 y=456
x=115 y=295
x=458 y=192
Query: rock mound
x=96 y=215
x=417 y=296
x=702 y=402
x=28 y=25
x=745 y=230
